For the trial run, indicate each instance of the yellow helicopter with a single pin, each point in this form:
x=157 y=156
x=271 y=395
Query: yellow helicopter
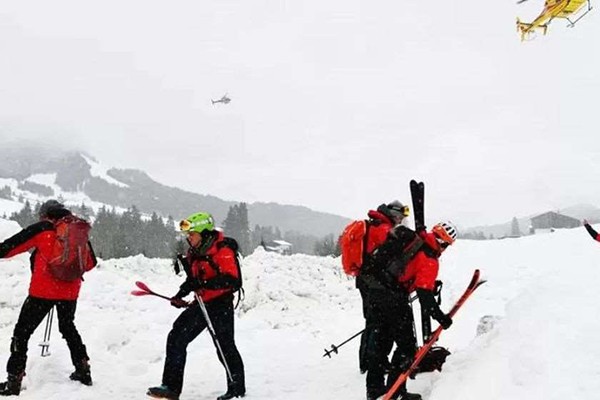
x=565 y=9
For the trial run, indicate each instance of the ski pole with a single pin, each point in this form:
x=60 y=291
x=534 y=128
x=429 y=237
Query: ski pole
x=46 y=343
x=213 y=334
x=145 y=291
x=334 y=348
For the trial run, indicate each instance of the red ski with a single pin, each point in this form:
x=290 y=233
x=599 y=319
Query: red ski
x=473 y=285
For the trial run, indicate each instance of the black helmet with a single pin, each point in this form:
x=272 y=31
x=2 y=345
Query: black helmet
x=52 y=209
x=394 y=210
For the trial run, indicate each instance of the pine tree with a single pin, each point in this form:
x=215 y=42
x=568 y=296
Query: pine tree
x=84 y=211
x=6 y=193
x=235 y=225
x=26 y=216
x=244 y=238
x=103 y=233
x=327 y=246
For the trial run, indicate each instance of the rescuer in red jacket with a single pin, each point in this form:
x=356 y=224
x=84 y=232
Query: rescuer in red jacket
x=45 y=291
x=213 y=273
x=377 y=296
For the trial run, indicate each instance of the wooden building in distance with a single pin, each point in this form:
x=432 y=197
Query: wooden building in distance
x=553 y=220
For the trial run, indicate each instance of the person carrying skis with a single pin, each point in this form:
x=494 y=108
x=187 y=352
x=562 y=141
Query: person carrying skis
x=379 y=300
x=591 y=230
x=419 y=274
x=45 y=291
x=213 y=274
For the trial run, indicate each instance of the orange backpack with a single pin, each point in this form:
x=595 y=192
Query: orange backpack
x=71 y=255
x=353 y=243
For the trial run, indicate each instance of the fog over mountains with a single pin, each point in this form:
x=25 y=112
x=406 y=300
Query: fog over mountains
x=80 y=172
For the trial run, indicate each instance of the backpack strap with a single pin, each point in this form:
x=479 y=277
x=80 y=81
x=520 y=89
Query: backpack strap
x=396 y=268
x=233 y=245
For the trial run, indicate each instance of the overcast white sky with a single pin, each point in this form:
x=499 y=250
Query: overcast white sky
x=336 y=104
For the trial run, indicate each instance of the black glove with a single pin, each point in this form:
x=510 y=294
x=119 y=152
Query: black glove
x=178 y=302
x=445 y=321
x=190 y=285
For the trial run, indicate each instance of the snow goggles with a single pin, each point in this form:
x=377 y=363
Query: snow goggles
x=404 y=210
x=185 y=225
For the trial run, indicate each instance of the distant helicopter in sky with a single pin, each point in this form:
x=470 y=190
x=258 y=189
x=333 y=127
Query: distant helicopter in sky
x=224 y=100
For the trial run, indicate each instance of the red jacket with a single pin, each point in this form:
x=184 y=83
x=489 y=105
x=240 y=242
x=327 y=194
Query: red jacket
x=217 y=269
x=422 y=270
x=41 y=237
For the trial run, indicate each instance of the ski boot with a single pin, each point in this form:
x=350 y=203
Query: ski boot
x=12 y=386
x=231 y=393
x=375 y=393
x=162 y=392
x=82 y=373
x=410 y=396
x=405 y=395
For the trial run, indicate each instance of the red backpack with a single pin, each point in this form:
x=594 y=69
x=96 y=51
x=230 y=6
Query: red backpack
x=353 y=243
x=70 y=256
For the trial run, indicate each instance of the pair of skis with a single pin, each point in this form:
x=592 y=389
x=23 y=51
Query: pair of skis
x=417 y=194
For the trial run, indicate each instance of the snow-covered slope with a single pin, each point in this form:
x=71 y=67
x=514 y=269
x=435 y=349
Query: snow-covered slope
x=543 y=345
x=70 y=198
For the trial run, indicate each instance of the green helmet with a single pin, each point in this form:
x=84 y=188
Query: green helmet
x=197 y=222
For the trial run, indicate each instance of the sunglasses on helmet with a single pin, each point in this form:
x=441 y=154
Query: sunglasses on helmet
x=185 y=225
x=404 y=210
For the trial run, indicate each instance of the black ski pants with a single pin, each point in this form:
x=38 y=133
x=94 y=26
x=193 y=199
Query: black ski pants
x=32 y=314
x=188 y=326
x=389 y=321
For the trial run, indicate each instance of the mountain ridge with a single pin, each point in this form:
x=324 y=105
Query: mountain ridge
x=74 y=174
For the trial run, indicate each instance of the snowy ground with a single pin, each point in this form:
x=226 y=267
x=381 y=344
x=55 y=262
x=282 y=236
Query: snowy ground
x=544 y=346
